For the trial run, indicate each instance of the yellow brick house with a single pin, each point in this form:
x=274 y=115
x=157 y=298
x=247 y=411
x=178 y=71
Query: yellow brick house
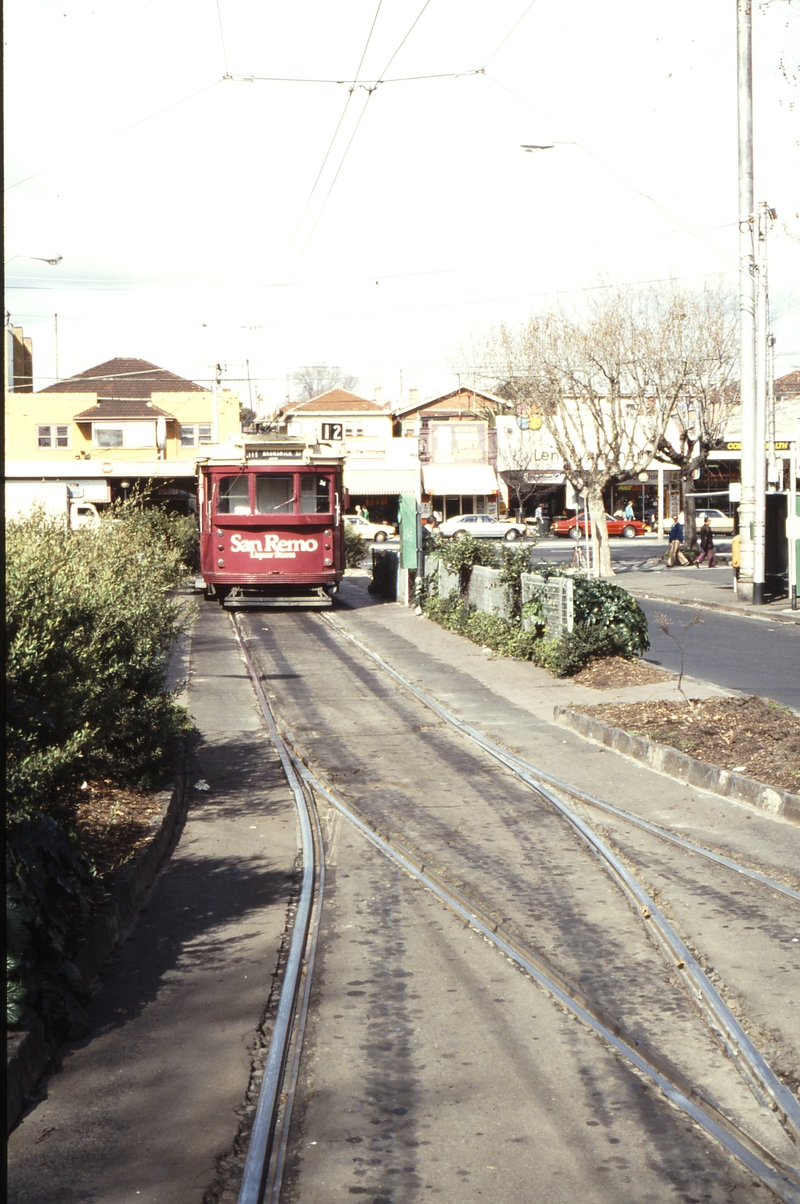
x=119 y=423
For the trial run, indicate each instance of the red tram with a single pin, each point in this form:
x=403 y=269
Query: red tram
x=271 y=526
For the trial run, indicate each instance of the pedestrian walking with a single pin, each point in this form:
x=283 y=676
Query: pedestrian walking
x=736 y=559
x=706 y=544
x=365 y=514
x=675 y=541
x=538 y=514
x=629 y=511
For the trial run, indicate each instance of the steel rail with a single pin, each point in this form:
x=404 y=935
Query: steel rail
x=784 y=1181
x=260 y=1147
x=588 y=799
x=278 y=1160
x=724 y=1025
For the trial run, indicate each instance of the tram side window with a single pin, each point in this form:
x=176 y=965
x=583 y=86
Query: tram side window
x=234 y=495
x=315 y=495
x=274 y=495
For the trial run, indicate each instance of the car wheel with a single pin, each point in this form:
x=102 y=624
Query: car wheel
x=629 y=532
x=459 y=534
x=380 y=537
x=511 y=535
x=575 y=532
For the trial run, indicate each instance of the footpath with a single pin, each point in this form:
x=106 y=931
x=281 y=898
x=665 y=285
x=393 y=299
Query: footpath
x=710 y=589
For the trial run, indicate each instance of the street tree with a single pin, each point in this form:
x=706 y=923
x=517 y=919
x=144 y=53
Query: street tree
x=313 y=379
x=705 y=406
x=604 y=383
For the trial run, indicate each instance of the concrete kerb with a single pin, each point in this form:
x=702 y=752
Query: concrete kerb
x=28 y=1052
x=678 y=765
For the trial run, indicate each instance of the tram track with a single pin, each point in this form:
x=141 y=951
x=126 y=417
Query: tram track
x=307 y=782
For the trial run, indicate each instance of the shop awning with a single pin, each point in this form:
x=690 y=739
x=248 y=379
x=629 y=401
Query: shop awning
x=371 y=482
x=459 y=479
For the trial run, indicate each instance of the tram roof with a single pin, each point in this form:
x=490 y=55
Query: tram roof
x=271 y=448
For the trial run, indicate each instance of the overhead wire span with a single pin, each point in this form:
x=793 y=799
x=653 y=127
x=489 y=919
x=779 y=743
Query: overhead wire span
x=222 y=39
x=110 y=137
x=322 y=168
x=508 y=35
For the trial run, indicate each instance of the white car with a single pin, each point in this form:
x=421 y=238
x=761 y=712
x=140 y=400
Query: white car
x=721 y=524
x=482 y=526
x=380 y=532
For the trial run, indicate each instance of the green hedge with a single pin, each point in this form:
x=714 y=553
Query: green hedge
x=608 y=621
x=90 y=625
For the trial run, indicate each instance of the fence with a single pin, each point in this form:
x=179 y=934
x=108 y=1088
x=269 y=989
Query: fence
x=557 y=595
x=487 y=593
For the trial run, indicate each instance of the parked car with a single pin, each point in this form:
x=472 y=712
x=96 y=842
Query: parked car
x=482 y=526
x=575 y=527
x=380 y=532
x=721 y=524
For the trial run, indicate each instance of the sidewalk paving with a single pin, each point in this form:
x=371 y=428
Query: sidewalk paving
x=708 y=588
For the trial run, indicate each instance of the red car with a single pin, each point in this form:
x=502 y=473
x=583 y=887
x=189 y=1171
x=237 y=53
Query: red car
x=575 y=527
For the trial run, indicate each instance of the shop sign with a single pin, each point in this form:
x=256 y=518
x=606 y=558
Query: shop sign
x=736 y=445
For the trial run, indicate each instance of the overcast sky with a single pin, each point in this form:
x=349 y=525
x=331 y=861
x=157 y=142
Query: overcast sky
x=204 y=217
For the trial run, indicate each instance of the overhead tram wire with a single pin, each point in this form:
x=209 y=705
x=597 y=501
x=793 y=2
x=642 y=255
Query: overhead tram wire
x=222 y=39
x=508 y=35
x=370 y=90
x=350 y=92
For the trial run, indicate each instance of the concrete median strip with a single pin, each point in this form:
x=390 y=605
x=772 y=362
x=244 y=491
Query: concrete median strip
x=678 y=765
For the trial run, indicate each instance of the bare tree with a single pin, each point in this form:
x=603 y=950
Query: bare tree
x=703 y=409
x=605 y=386
x=313 y=379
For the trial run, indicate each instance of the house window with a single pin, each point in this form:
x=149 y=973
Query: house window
x=108 y=436
x=53 y=436
x=354 y=430
x=124 y=434
x=195 y=433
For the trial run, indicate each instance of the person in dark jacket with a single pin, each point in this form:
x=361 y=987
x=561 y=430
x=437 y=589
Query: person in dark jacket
x=675 y=540
x=707 y=544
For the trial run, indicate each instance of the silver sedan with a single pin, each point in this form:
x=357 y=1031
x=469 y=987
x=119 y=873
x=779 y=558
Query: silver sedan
x=482 y=526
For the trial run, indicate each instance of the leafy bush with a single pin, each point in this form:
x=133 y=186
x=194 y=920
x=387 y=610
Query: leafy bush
x=47 y=880
x=89 y=630
x=355 y=547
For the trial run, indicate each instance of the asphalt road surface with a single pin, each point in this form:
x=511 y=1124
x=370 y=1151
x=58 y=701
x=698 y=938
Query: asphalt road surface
x=748 y=654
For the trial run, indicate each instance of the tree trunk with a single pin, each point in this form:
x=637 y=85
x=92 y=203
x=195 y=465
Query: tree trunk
x=602 y=548
x=688 y=506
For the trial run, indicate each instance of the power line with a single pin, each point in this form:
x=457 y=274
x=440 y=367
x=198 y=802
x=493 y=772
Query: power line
x=222 y=39
x=508 y=35
x=110 y=137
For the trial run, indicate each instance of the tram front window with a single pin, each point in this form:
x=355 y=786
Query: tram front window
x=274 y=495
x=315 y=495
x=234 y=495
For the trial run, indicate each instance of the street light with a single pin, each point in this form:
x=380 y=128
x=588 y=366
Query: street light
x=54 y=262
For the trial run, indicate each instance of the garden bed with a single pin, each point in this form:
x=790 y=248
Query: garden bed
x=616 y=672
x=749 y=736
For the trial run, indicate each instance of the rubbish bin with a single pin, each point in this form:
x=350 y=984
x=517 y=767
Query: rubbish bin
x=384 y=574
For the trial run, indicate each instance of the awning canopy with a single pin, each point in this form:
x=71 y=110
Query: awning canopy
x=372 y=482
x=459 y=479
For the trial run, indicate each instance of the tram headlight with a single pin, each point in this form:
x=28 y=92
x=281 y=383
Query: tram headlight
x=327 y=561
x=221 y=563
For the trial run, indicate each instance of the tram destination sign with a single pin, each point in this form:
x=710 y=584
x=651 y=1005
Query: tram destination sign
x=274 y=453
